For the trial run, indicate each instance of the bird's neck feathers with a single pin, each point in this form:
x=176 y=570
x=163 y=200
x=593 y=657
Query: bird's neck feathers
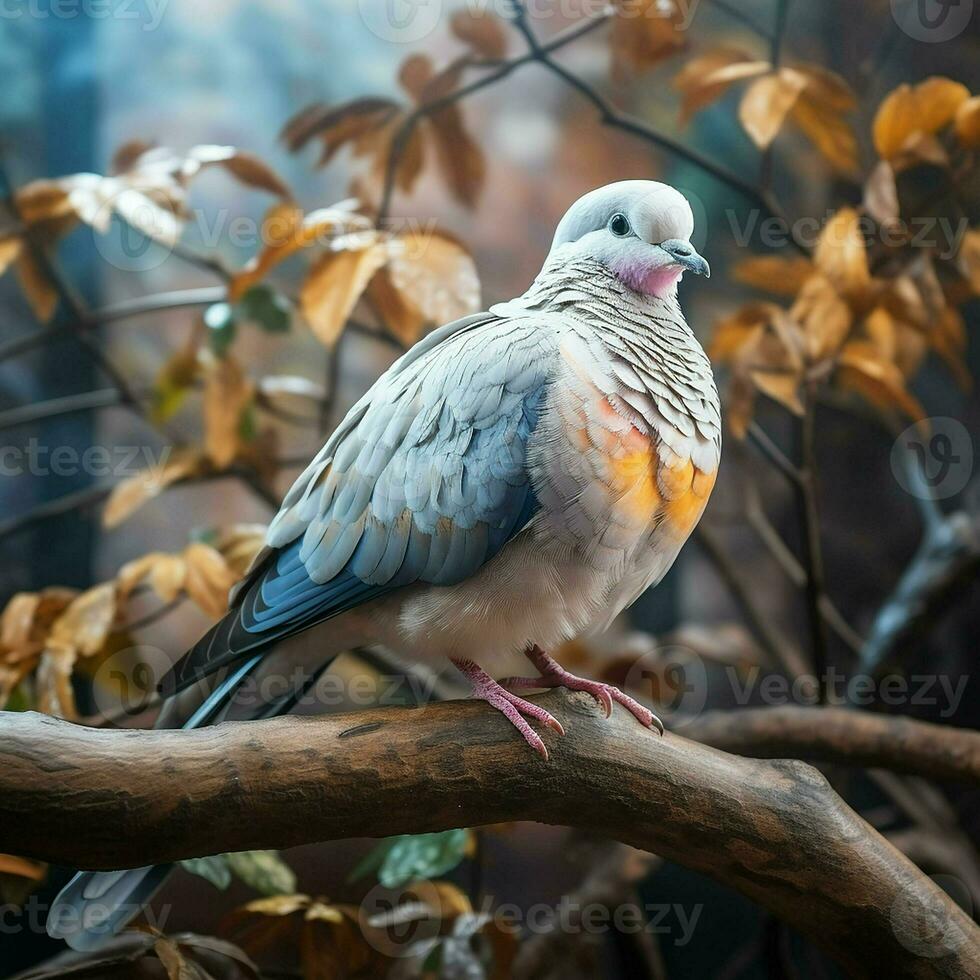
x=586 y=288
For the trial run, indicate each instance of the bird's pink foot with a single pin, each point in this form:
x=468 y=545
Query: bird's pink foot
x=510 y=705
x=554 y=675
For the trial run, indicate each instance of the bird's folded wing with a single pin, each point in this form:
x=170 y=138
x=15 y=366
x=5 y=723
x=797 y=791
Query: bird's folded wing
x=424 y=481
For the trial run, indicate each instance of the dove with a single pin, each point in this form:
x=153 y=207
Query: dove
x=514 y=481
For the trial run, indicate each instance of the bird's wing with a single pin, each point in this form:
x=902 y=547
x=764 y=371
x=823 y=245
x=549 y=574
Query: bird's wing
x=424 y=481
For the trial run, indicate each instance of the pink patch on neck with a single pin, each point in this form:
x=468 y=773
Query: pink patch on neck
x=660 y=281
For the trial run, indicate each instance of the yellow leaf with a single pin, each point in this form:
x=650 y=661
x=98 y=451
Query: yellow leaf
x=86 y=623
x=278 y=905
x=861 y=369
x=767 y=103
x=430 y=279
x=227 y=393
x=828 y=87
x=734 y=332
x=166 y=574
x=881 y=195
x=968 y=123
x=286 y=231
x=828 y=130
x=706 y=78
x=968 y=259
x=52 y=682
x=10 y=248
x=781 y=386
x=239 y=545
x=921 y=109
x=208 y=578
x=17 y=621
x=823 y=316
x=841 y=254
x=335 y=283
x=129 y=495
x=21 y=867
x=774 y=273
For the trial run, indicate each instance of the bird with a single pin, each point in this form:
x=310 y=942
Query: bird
x=514 y=481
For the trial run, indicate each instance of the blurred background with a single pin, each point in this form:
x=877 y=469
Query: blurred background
x=83 y=81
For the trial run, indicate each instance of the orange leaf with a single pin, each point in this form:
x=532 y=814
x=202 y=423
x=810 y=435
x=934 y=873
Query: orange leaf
x=227 y=393
x=336 y=282
x=10 y=248
x=912 y=110
x=881 y=195
x=823 y=316
x=841 y=254
x=429 y=280
x=767 y=103
x=861 y=369
x=460 y=159
x=644 y=32
x=208 y=578
x=129 y=495
x=968 y=123
x=828 y=130
x=706 y=78
x=774 y=273
x=21 y=867
x=86 y=623
x=36 y=285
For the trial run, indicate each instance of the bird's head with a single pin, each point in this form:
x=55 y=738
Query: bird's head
x=638 y=229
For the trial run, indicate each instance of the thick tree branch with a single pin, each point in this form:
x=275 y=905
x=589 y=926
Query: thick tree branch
x=844 y=736
x=773 y=830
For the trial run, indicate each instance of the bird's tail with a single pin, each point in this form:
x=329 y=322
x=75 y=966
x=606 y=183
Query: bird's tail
x=95 y=905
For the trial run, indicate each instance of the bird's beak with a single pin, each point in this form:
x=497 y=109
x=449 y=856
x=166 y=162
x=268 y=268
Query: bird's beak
x=684 y=255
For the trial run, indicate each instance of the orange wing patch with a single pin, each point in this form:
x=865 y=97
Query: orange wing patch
x=686 y=490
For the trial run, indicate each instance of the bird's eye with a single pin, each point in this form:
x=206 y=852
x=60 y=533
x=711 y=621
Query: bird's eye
x=619 y=225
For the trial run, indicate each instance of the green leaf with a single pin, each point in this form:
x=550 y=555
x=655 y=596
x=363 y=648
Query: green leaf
x=219 y=318
x=417 y=856
x=267 y=309
x=214 y=869
x=265 y=871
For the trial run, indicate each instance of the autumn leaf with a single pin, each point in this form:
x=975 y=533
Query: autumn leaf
x=910 y=111
x=239 y=545
x=227 y=394
x=706 y=78
x=968 y=123
x=21 y=867
x=129 y=495
x=208 y=578
x=862 y=369
x=429 y=279
x=767 y=103
x=87 y=622
x=481 y=30
x=881 y=195
x=245 y=167
x=10 y=248
x=336 y=282
x=52 y=681
x=644 y=33
x=828 y=130
x=37 y=287
x=774 y=273
x=842 y=256
x=824 y=318
x=968 y=259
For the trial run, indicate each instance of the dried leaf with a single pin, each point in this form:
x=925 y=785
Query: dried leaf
x=129 y=495
x=829 y=132
x=968 y=123
x=842 y=256
x=861 y=369
x=912 y=110
x=52 y=682
x=227 y=395
x=825 y=319
x=774 y=273
x=37 y=287
x=265 y=871
x=245 y=167
x=481 y=30
x=17 y=622
x=743 y=327
x=828 y=87
x=459 y=158
x=208 y=578
x=10 y=248
x=239 y=545
x=430 y=279
x=86 y=623
x=286 y=231
x=881 y=195
x=767 y=103
x=644 y=32
x=968 y=259
x=337 y=125
x=706 y=78
x=173 y=962
x=336 y=282
x=278 y=905
x=21 y=867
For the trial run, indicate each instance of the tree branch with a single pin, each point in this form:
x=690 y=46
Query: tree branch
x=773 y=830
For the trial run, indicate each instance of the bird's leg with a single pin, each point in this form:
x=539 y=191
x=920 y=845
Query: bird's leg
x=509 y=705
x=554 y=675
